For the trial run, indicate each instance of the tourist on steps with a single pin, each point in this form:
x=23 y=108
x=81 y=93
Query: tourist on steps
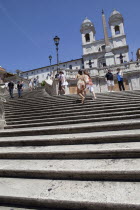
x=89 y=84
x=120 y=79
x=20 y=89
x=30 y=85
x=110 y=81
x=62 y=81
x=81 y=85
x=11 y=88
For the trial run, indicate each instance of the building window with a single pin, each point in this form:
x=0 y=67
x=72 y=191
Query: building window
x=52 y=67
x=37 y=71
x=75 y=62
x=64 y=65
x=70 y=66
x=117 y=30
x=26 y=74
x=41 y=70
x=32 y=72
x=87 y=37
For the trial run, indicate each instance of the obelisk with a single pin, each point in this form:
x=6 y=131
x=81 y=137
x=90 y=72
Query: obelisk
x=108 y=55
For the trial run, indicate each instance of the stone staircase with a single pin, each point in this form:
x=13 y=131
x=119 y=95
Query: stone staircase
x=59 y=154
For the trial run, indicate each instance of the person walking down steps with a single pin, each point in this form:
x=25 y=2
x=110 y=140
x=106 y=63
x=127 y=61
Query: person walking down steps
x=81 y=85
x=20 y=89
x=110 y=81
x=11 y=88
x=89 y=84
x=120 y=79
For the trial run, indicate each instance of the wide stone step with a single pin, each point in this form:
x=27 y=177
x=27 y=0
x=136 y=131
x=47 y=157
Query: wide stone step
x=87 y=109
x=45 y=101
x=131 y=114
x=15 y=208
x=94 y=169
x=66 y=107
x=72 y=112
x=113 y=150
x=68 y=121
x=73 y=139
x=70 y=194
x=73 y=128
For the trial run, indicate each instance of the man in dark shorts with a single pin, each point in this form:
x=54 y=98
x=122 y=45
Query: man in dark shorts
x=110 y=81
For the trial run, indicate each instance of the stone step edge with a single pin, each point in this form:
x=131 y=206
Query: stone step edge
x=94 y=154
x=94 y=116
x=95 y=175
x=65 y=204
x=74 y=128
x=73 y=121
x=90 y=138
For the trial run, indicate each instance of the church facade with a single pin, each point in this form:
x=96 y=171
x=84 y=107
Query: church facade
x=93 y=50
x=98 y=56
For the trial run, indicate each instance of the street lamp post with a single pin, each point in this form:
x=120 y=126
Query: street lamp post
x=56 y=41
x=50 y=58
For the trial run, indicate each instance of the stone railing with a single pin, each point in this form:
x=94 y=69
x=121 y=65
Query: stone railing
x=2 y=100
x=51 y=87
x=100 y=72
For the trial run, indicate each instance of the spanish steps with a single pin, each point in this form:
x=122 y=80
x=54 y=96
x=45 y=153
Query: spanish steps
x=56 y=153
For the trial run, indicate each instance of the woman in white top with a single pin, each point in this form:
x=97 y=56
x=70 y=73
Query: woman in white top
x=89 y=84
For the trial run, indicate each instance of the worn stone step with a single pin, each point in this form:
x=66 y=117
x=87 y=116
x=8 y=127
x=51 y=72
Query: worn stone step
x=89 y=108
x=70 y=194
x=113 y=150
x=58 y=101
x=73 y=112
x=16 y=208
x=66 y=107
x=73 y=128
x=73 y=139
x=113 y=115
x=68 y=121
x=91 y=169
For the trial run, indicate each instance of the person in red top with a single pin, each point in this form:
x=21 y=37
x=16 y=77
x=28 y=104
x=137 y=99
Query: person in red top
x=89 y=84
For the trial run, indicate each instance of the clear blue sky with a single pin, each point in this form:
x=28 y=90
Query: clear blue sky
x=27 y=29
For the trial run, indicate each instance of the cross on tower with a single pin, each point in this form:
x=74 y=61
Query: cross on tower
x=90 y=64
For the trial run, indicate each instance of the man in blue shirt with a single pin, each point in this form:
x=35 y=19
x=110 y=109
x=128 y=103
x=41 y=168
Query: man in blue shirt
x=120 y=79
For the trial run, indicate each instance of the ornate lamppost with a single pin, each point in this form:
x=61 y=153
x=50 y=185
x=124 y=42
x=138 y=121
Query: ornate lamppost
x=50 y=58
x=56 y=41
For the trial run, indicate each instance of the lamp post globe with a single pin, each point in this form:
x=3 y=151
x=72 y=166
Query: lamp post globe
x=56 y=40
x=50 y=58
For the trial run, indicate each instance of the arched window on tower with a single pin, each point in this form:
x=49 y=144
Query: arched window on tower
x=117 y=30
x=87 y=37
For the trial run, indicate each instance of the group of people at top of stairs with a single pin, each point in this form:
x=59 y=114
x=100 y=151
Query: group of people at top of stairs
x=110 y=80
x=85 y=83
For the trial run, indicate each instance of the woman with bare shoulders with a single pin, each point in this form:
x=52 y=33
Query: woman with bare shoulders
x=81 y=85
x=89 y=84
